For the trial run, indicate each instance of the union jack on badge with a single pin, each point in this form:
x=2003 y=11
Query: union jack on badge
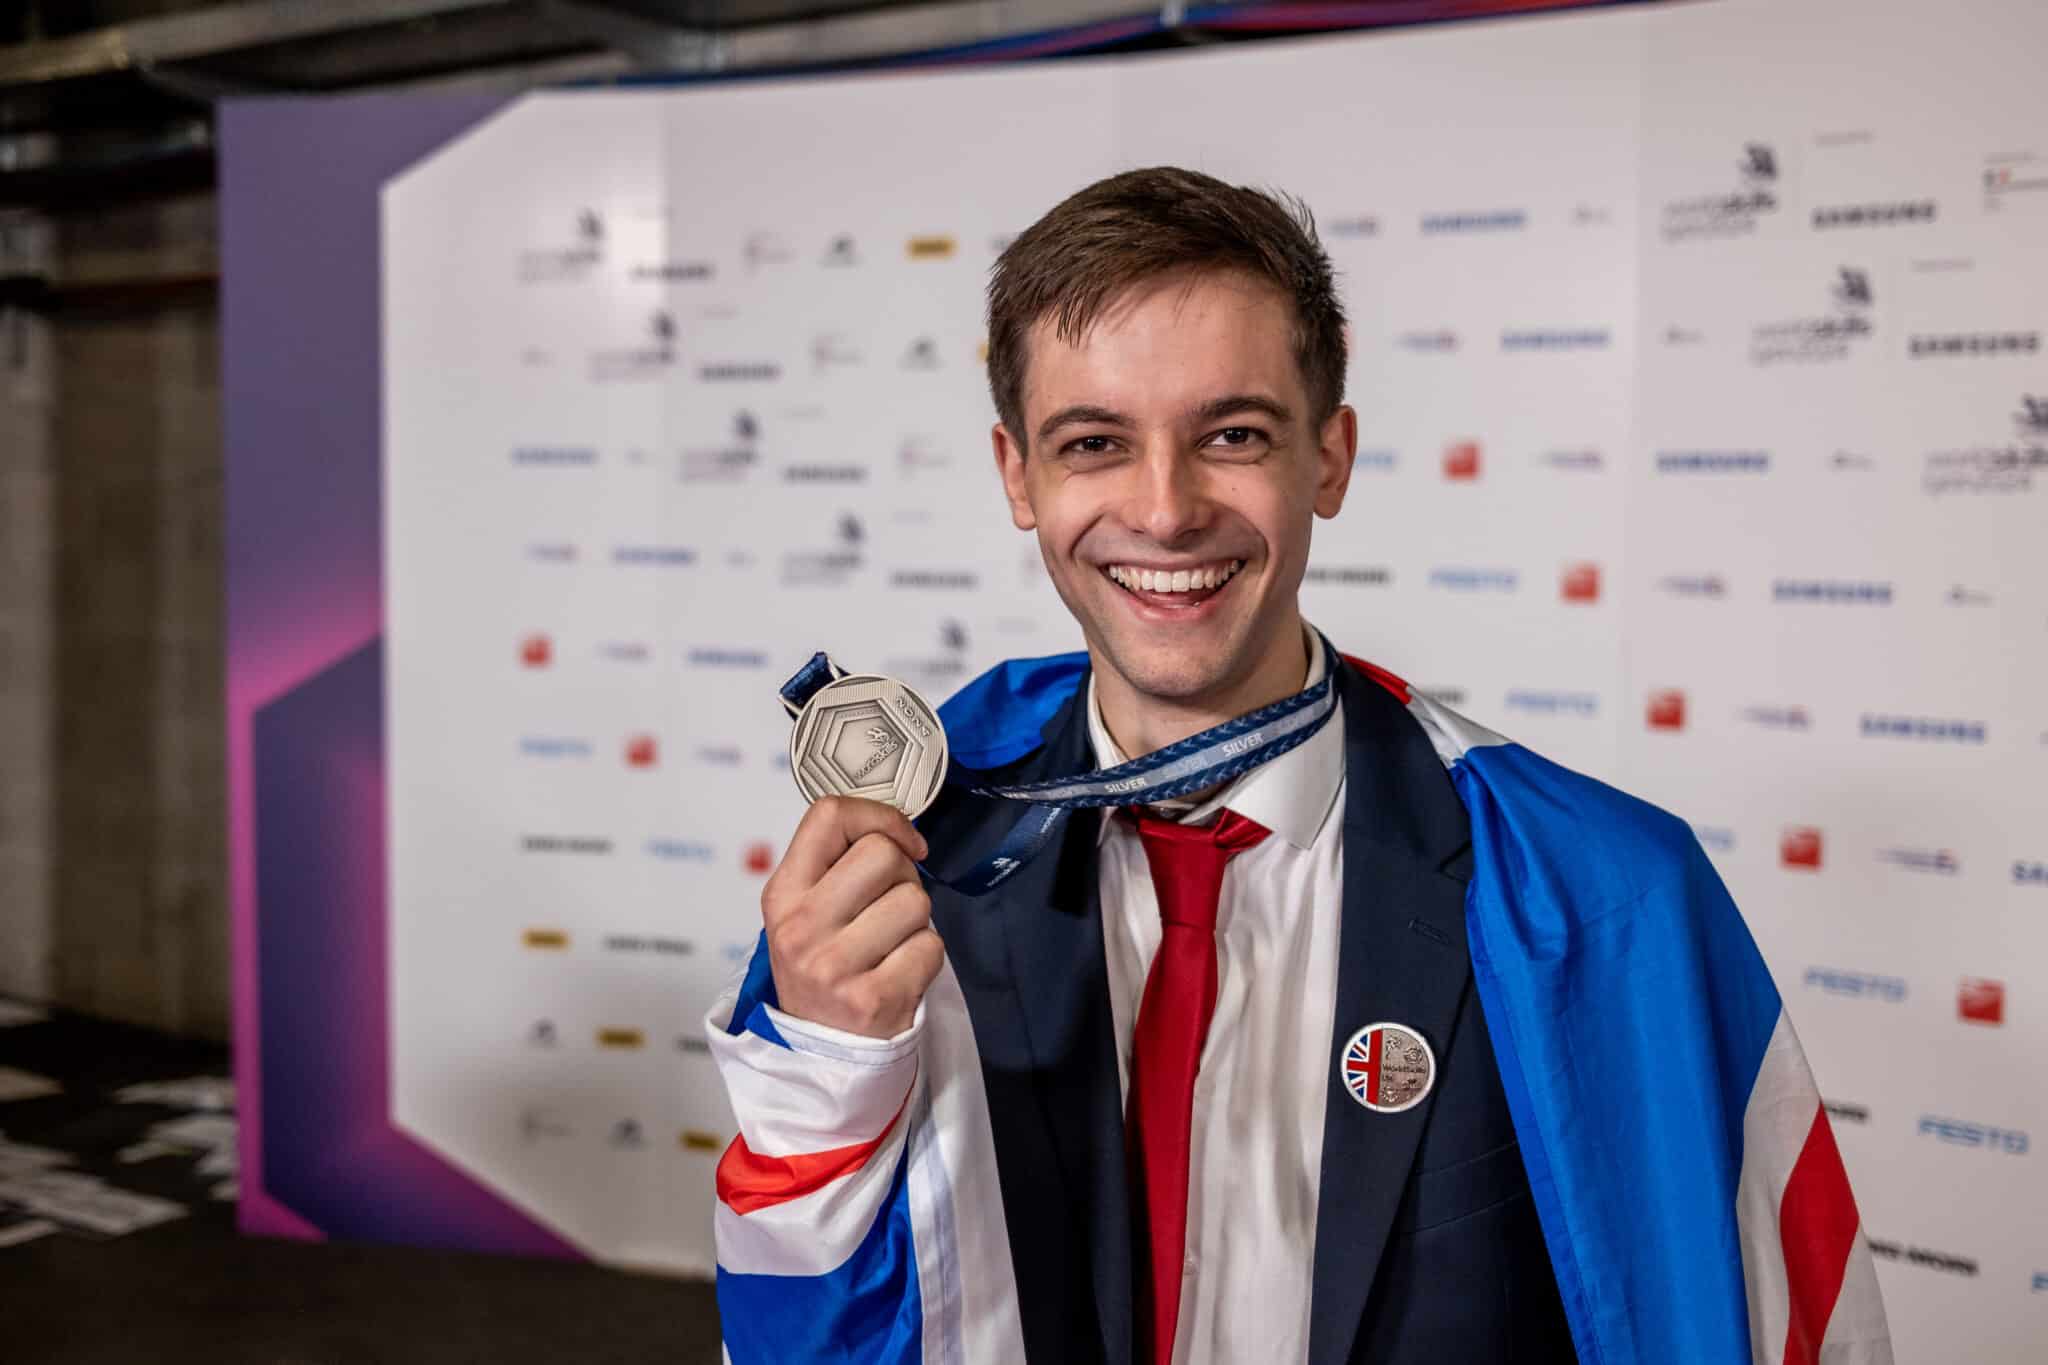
x=1387 y=1067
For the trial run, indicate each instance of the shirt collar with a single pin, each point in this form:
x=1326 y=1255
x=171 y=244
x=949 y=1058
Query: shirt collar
x=1291 y=795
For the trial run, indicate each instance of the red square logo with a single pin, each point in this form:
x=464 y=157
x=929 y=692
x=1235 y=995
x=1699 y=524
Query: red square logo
x=759 y=858
x=642 y=751
x=1581 y=583
x=1799 y=846
x=536 y=650
x=1667 y=709
x=1979 y=1001
x=1461 y=460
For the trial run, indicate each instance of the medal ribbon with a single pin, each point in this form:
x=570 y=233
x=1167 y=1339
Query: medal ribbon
x=1196 y=763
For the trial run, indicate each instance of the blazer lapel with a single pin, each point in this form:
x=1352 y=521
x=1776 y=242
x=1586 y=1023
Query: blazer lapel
x=1048 y=1041
x=1401 y=959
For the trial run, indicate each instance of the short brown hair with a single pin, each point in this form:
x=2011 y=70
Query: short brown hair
x=1095 y=245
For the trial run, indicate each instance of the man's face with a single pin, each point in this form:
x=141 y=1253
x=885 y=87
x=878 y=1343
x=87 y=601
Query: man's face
x=1172 y=475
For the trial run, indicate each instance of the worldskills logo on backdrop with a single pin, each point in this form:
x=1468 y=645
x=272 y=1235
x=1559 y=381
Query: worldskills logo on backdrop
x=650 y=359
x=1734 y=212
x=1563 y=339
x=1461 y=461
x=2009 y=179
x=1832 y=592
x=1980 y=1000
x=827 y=567
x=1819 y=338
x=727 y=463
x=1799 y=847
x=1994 y=467
x=642 y=751
x=1713 y=462
x=572 y=260
x=536 y=651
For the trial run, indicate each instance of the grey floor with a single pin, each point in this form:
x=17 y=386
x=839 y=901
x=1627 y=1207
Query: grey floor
x=193 y=1290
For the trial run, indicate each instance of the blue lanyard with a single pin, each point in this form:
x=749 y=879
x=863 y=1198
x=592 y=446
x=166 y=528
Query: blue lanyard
x=1196 y=763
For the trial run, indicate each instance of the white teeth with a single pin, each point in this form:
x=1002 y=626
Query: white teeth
x=1178 y=580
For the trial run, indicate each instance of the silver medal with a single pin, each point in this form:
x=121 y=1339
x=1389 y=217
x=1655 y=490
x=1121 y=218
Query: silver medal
x=869 y=736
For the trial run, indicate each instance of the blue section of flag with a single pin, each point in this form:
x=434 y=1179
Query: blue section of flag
x=866 y=1311
x=997 y=718
x=1630 y=1012
x=756 y=991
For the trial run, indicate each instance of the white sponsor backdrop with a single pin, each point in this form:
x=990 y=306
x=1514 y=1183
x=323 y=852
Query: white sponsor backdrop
x=1703 y=418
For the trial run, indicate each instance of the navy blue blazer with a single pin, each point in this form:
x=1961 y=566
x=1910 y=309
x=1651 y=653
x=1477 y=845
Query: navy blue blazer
x=1427 y=1248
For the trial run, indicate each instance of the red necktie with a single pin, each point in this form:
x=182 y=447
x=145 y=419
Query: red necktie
x=1166 y=1045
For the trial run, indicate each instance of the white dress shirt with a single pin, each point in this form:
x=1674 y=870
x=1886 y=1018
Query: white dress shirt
x=1255 y=1166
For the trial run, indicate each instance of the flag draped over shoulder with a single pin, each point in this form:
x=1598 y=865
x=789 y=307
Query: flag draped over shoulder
x=1690 y=1192
x=1686 y=1176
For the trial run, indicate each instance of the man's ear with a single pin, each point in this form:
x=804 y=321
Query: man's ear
x=1010 y=464
x=1336 y=448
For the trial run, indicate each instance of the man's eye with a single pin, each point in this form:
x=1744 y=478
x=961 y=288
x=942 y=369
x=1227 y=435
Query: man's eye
x=1090 y=445
x=1238 y=438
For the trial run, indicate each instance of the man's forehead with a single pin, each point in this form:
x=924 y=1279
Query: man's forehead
x=1172 y=341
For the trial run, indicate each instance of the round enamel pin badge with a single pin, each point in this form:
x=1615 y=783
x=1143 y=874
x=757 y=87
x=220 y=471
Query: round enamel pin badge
x=1387 y=1067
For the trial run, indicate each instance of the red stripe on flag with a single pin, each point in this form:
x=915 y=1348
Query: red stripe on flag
x=748 y=1181
x=1817 y=1225
x=1380 y=676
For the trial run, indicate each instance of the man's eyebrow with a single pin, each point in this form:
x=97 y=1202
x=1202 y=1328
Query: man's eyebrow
x=1081 y=412
x=1242 y=402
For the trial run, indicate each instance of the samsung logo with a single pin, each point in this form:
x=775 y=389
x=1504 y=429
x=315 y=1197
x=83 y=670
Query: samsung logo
x=554 y=455
x=564 y=843
x=660 y=555
x=1582 y=339
x=739 y=370
x=1921 y=1256
x=934 y=578
x=1713 y=462
x=1815 y=590
x=1961 y=1133
x=711 y=656
x=1355 y=576
x=680 y=851
x=551 y=746
x=1861 y=985
x=1499 y=220
x=1923 y=727
x=1474 y=580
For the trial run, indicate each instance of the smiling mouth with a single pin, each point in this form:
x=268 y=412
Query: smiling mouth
x=1174 y=587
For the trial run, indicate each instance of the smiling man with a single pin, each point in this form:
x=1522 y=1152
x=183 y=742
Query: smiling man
x=1291 y=1017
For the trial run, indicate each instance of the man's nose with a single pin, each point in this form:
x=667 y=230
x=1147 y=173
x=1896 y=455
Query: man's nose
x=1167 y=502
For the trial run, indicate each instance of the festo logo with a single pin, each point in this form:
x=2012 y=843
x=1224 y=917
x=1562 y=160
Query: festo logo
x=1799 y=848
x=1962 y=1133
x=1856 y=985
